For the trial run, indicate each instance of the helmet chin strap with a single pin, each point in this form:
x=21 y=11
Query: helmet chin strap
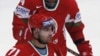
x=29 y=27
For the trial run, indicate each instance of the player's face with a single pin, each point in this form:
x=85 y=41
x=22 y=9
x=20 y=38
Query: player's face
x=51 y=3
x=45 y=35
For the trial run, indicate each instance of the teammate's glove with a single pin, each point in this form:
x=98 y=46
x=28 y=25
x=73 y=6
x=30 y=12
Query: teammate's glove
x=85 y=49
x=18 y=32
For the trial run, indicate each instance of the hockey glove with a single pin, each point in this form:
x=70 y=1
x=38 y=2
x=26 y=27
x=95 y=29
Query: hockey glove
x=85 y=49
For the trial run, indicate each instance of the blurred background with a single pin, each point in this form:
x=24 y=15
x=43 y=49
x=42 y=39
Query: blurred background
x=90 y=13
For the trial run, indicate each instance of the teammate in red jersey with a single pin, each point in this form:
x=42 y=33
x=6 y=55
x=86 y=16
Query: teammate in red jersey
x=65 y=12
x=42 y=29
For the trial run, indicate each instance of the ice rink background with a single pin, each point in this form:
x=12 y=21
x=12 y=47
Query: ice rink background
x=90 y=12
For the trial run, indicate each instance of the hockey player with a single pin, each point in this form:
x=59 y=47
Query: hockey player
x=65 y=12
x=42 y=29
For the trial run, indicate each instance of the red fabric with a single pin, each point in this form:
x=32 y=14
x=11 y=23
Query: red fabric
x=85 y=49
x=26 y=49
x=19 y=28
x=64 y=8
x=36 y=20
x=76 y=32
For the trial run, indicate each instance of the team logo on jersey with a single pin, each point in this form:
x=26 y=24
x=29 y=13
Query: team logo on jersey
x=55 y=41
x=22 y=12
x=76 y=19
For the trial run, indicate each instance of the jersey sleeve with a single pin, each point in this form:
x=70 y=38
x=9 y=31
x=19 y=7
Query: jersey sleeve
x=73 y=21
x=75 y=28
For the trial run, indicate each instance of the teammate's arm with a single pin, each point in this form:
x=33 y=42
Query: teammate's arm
x=75 y=28
x=21 y=15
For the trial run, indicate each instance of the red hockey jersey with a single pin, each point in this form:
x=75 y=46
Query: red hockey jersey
x=27 y=49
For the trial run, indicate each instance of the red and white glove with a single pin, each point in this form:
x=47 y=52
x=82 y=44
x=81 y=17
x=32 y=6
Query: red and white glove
x=85 y=49
x=18 y=32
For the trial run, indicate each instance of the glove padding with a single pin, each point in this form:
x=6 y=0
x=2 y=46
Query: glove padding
x=18 y=32
x=85 y=49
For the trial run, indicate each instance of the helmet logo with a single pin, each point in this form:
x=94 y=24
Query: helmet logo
x=47 y=23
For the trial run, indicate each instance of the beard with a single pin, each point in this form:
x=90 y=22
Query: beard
x=43 y=41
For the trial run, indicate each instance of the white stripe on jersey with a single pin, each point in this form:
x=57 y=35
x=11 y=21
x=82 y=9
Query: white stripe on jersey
x=77 y=18
x=13 y=51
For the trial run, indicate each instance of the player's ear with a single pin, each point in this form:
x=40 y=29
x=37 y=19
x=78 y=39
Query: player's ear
x=36 y=33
